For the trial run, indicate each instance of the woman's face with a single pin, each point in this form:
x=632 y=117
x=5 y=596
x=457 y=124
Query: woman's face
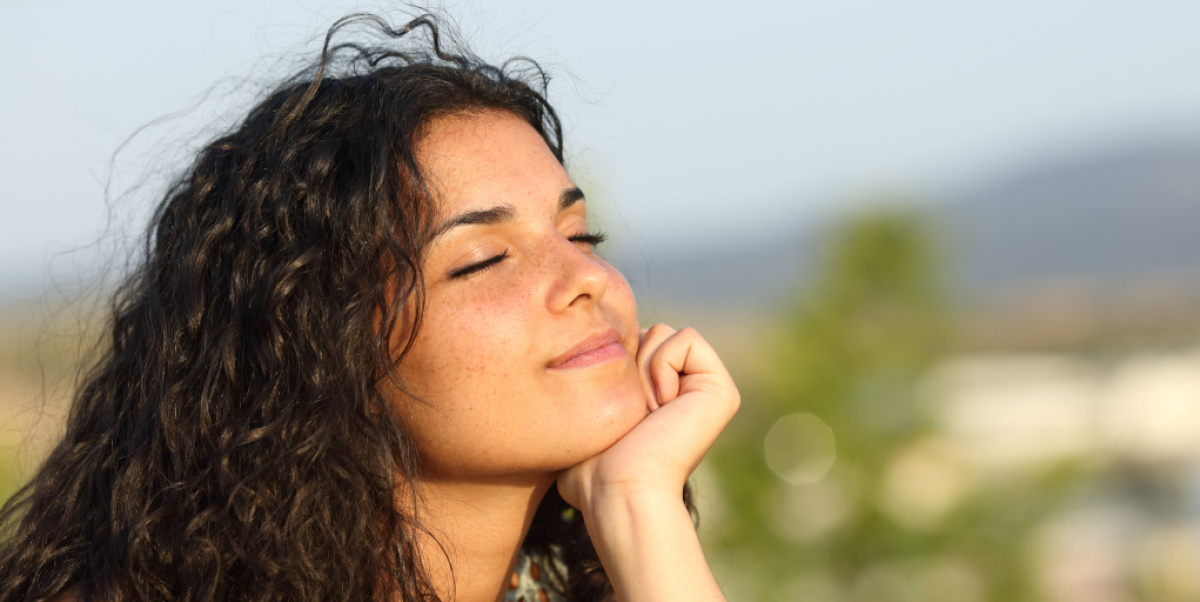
x=524 y=360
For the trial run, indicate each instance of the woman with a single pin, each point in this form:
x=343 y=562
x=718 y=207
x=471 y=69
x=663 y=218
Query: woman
x=371 y=354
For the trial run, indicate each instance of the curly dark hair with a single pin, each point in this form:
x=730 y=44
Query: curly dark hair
x=232 y=442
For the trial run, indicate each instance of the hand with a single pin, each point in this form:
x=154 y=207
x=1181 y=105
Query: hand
x=690 y=397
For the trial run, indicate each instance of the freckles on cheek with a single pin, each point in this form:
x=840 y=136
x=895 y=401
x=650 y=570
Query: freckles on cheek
x=486 y=335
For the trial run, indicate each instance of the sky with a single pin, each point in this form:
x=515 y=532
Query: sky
x=688 y=123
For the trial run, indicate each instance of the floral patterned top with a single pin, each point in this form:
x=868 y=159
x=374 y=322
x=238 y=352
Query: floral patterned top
x=530 y=581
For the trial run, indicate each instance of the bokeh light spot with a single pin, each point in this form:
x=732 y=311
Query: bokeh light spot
x=800 y=448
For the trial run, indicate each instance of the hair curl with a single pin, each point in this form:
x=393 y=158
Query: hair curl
x=231 y=443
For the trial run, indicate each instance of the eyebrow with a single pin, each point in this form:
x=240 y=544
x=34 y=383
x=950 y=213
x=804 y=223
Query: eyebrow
x=501 y=213
x=569 y=197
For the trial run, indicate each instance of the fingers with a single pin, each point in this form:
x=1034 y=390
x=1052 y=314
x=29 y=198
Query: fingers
x=672 y=363
x=652 y=338
x=684 y=361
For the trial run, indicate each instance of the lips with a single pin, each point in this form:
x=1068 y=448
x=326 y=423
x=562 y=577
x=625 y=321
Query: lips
x=595 y=349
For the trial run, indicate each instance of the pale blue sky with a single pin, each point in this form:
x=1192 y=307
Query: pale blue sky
x=699 y=120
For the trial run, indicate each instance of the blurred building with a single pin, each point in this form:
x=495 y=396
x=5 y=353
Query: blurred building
x=1131 y=420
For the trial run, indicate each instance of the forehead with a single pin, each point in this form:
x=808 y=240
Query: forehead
x=479 y=160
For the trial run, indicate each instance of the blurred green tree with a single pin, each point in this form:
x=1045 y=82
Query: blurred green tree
x=836 y=484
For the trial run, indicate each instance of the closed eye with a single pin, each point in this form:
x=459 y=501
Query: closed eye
x=480 y=266
x=591 y=239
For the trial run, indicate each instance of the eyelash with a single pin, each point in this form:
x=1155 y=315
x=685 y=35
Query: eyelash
x=591 y=239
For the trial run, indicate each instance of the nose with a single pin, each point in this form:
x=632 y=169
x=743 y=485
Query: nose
x=579 y=278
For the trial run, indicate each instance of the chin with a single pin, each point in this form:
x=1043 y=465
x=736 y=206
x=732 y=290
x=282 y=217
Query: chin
x=617 y=413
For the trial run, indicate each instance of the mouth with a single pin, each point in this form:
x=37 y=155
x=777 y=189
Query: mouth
x=596 y=349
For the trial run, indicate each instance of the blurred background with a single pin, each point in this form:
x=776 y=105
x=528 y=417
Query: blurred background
x=947 y=249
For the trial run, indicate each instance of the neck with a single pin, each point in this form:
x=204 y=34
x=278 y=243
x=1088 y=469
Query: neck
x=475 y=531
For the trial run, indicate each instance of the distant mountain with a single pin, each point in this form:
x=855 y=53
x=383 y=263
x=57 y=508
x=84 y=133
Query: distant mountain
x=1109 y=219
x=1103 y=221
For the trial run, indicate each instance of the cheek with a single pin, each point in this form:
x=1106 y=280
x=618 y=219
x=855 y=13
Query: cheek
x=461 y=353
x=620 y=288
x=465 y=341
x=620 y=303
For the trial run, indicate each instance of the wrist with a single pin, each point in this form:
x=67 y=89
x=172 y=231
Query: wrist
x=647 y=542
x=629 y=498
x=617 y=517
